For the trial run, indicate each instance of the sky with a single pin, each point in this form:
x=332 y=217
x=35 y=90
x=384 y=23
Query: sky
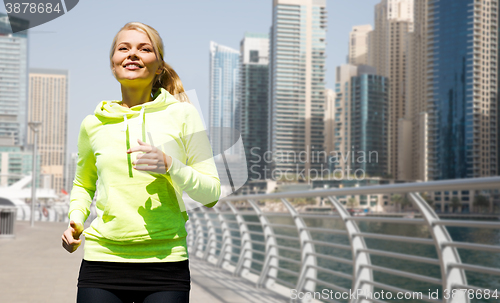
x=79 y=41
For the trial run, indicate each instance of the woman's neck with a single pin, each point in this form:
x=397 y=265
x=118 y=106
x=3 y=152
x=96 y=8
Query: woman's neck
x=132 y=96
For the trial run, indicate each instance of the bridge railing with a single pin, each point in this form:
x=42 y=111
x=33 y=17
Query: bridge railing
x=300 y=255
x=49 y=213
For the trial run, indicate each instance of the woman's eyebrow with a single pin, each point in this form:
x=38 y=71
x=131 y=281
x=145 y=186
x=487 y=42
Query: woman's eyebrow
x=140 y=44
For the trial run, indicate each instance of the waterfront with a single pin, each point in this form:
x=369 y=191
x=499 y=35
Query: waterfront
x=460 y=234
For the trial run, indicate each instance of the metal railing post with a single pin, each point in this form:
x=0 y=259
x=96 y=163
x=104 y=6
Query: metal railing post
x=227 y=242
x=269 y=269
x=246 y=254
x=211 y=247
x=190 y=231
x=200 y=237
x=360 y=258
x=308 y=272
x=447 y=255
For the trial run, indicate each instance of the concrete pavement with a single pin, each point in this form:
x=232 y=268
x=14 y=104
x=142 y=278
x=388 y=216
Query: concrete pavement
x=35 y=268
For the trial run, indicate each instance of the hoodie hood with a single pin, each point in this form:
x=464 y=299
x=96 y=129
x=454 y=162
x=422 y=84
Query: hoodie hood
x=112 y=109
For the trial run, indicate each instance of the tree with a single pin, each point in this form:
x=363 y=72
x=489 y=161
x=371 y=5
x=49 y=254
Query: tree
x=427 y=199
x=352 y=202
x=405 y=202
x=481 y=202
x=398 y=200
x=455 y=203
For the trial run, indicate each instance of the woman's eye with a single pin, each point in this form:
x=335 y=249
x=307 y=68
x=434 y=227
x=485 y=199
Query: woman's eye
x=122 y=48
x=146 y=49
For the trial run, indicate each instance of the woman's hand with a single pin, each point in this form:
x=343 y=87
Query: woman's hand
x=71 y=237
x=156 y=161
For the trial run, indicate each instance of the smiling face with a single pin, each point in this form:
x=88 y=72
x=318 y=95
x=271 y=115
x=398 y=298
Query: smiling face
x=134 y=60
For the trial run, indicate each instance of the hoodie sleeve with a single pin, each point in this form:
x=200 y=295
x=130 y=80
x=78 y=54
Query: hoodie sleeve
x=84 y=184
x=199 y=178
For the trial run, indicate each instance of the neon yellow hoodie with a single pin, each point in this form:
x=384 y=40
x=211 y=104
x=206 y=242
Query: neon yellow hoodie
x=140 y=215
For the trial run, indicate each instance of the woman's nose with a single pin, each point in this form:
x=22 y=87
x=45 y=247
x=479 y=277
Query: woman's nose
x=132 y=53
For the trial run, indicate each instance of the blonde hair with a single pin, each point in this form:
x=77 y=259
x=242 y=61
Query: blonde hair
x=168 y=78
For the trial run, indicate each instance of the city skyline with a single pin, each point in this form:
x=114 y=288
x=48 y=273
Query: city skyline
x=65 y=44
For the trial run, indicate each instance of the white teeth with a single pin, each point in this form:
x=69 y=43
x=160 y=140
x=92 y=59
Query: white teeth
x=132 y=65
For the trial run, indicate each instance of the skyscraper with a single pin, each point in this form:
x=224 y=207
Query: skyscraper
x=330 y=125
x=253 y=101
x=13 y=84
x=48 y=103
x=72 y=162
x=223 y=116
x=358 y=44
x=359 y=127
x=297 y=85
x=414 y=162
x=387 y=53
x=463 y=64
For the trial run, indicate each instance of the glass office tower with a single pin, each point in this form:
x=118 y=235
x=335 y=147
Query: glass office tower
x=13 y=84
x=297 y=85
x=253 y=101
x=463 y=64
x=369 y=102
x=360 y=128
x=224 y=69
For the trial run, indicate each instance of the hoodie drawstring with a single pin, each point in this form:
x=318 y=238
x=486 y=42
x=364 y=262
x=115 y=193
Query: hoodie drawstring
x=129 y=160
x=142 y=116
x=143 y=123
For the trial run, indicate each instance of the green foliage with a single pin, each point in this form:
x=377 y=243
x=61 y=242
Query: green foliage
x=481 y=202
x=455 y=203
x=427 y=199
x=302 y=201
x=352 y=202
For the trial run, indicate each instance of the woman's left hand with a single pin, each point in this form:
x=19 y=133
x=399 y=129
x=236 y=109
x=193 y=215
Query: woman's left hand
x=152 y=159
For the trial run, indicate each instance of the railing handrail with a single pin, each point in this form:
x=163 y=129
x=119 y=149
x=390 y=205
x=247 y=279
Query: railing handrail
x=220 y=235
x=452 y=267
x=429 y=186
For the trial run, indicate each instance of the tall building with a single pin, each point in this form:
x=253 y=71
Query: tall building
x=71 y=171
x=387 y=53
x=13 y=84
x=297 y=86
x=329 y=120
x=223 y=116
x=463 y=64
x=414 y=147
x=48 y=103
x=253 y=101
x=358 y=44
x=360 y=122
x=15 y=163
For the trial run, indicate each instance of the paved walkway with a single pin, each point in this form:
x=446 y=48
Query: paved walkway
x=35 y=268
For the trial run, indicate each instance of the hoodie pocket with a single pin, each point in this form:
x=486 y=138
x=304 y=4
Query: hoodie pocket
x=140 y=212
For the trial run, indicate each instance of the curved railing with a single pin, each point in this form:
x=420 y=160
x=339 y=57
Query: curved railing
x=49 y=213
x=299 y=255
x=286 y=253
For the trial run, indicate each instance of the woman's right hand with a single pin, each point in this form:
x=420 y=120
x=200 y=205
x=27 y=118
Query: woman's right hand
x=71 y=236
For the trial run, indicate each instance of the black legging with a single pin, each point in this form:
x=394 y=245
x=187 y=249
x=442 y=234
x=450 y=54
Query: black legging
x=99 y=295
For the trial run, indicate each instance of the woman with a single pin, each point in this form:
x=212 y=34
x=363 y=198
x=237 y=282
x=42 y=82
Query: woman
x=135 y=249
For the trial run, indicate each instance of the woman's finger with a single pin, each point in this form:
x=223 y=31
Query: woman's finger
x=146 y=161
x=64 y=238
x=144 y=167
x=147 y=156
x=138 y=148
x=154 y=168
